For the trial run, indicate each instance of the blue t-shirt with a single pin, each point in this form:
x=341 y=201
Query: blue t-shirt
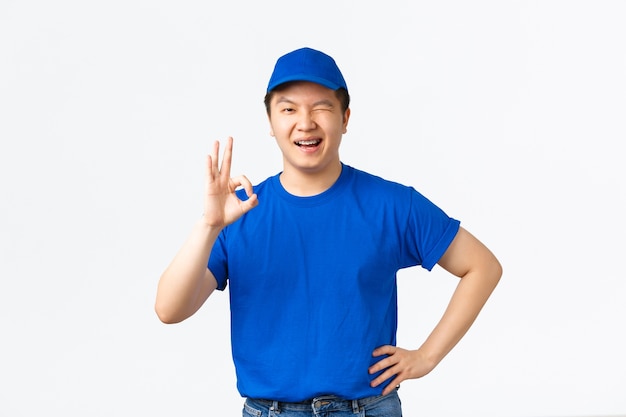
x=313 y=282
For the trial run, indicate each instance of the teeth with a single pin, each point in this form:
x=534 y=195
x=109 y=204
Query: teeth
x=308 y=142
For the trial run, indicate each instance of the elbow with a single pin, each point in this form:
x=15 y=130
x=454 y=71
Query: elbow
x=166 y=315
x=489 y=272
x=498 y=268
x=489 y=269
x=495 y=271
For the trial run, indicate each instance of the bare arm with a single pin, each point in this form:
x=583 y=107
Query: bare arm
x=480 y=272
x=187 y=282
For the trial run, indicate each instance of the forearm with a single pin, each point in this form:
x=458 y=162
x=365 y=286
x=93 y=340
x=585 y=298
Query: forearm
x=186 y=283
x=468 y=299
x=466 y=303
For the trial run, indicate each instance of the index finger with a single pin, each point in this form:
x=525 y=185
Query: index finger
x=384 y=350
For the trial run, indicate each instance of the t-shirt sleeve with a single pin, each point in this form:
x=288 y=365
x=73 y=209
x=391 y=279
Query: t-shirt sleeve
x=430 y=230
x=218 y=262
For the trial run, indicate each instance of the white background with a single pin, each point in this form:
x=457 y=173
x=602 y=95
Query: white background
x=510 y=115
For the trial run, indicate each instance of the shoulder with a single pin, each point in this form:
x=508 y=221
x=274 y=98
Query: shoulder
x=381 y=191
x=377 y=183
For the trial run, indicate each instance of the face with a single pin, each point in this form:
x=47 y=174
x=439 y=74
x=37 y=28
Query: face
x=307 y=121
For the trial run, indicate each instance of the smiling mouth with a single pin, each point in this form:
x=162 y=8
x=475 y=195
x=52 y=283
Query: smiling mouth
x=309 y=143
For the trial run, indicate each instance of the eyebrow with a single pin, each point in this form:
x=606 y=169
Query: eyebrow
x=284 y=99
x=323 y=102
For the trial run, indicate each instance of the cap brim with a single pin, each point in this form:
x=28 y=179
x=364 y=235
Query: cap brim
x=303 y=77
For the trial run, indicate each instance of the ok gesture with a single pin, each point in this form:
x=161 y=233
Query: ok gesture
x=221 y=205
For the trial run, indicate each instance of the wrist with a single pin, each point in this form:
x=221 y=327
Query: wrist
x=430 y=357
x=204 y=226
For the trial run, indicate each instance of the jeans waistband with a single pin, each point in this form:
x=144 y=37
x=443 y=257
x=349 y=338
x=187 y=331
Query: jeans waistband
x=321 y=403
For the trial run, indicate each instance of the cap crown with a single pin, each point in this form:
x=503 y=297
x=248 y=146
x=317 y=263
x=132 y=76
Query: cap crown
x=306 y=64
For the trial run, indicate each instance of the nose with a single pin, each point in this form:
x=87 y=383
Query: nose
x=306 y=122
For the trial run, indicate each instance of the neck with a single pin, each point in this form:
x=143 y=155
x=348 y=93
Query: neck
x=306 y=184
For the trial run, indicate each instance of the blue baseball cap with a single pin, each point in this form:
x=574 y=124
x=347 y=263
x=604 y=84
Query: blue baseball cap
x=307 y=64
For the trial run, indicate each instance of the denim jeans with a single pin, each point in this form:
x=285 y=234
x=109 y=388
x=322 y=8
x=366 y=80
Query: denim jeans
x=326 y=406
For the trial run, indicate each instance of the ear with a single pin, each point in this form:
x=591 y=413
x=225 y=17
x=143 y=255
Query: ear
x=269 y=120
x=346 y=117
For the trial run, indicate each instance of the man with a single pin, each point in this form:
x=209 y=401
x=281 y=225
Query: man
x=311 y=256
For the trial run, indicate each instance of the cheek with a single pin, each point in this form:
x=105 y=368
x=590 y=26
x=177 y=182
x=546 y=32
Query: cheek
x=278 y=124
x=339 y=126
x=282 y=132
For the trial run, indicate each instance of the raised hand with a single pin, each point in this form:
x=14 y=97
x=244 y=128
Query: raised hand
x=221 y=205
